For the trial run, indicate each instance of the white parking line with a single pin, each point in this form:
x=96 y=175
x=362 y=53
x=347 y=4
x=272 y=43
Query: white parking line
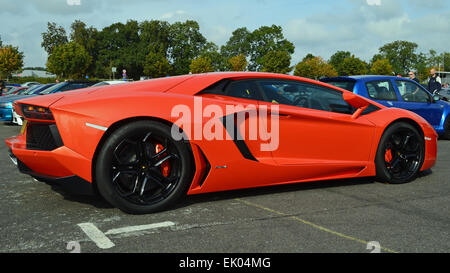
x=139 y=228
x=96 y=235
x=103 y=242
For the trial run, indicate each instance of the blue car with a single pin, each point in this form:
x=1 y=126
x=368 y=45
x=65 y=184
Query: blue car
x=401 y=93
x=7 y=101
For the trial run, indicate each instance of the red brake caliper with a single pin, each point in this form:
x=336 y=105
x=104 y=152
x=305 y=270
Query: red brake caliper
x=388 y=156
x=165 y=166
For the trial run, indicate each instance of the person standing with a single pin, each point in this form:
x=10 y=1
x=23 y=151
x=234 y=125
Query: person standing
x=434 y=82
x=412 y=76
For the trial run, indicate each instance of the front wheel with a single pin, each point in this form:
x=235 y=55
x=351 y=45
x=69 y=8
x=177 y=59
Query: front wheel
x=400 y=154
x=142 y=169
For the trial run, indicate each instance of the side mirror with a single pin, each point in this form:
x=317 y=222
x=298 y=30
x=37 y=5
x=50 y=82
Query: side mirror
x=357 y=102
x=436 y=97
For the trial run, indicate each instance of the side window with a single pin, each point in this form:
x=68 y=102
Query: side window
x=381 y=90
x=411 y=92
x=305 y=95
x=243 y=89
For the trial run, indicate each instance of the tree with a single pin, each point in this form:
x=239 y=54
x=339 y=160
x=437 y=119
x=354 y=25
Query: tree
x=53 y=37
x=337 y=59
x=185 y=44
x=238 y=63
x=238 y=44
x=201 y=65
x=119 y=44
x=70 y=60
x=11 y=60
x=218 y=61
x=266 y=39
x=156 y=64
x=88 y=38
x=308 y=56
x=401 y=55
x=381 y=67
x=277 y=62
x=314 y=68
x=352 y=66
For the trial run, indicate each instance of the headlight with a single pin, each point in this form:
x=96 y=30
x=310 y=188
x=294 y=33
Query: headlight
x=6 y=105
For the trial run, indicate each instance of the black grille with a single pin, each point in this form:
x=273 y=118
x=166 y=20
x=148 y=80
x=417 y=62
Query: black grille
x=44 y=137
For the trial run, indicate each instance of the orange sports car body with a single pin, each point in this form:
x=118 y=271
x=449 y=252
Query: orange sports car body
x=318 y=132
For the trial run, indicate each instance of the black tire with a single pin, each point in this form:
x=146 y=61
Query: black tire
x=128 y=170
x=446 y=134
x=400 y=154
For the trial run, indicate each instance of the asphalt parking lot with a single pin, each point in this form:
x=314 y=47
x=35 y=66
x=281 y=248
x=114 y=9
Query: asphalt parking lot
x=329 y=216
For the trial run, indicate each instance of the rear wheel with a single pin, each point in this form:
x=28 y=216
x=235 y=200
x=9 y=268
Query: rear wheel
x=400 y=154
x=142 y=169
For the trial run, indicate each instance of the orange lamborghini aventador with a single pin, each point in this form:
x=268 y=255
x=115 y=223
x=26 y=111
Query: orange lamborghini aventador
x=144 y=145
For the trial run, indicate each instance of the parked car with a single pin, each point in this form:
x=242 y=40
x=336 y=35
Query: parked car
x=108 y=83
x=401 y=93
x=15 y=91
x=132 y=149
x=445 y=94
x=67 y=86
x=28 y=84
x=6 y=103
x=16 y=119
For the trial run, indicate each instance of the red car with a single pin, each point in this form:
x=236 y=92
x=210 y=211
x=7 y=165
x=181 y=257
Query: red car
x=144 y=145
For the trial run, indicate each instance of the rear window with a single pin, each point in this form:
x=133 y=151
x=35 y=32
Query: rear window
x=347 y=85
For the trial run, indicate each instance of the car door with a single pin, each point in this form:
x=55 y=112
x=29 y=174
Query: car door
x=316 y=127
x=418 y=100
x=239 y=103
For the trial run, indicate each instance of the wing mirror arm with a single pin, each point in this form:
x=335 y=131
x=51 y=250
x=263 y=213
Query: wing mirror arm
x=357 y=102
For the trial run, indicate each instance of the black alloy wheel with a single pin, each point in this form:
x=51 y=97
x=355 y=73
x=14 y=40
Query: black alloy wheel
x=142 y=169
x=400 y=154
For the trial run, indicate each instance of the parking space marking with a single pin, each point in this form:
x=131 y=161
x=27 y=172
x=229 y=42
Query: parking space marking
x=324 y=229
x=139 y=228
x=96 y=235
x=103 y=242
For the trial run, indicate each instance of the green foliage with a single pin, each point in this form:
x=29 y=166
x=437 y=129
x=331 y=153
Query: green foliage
x=53 y=37
x=156 y=64
x=381 y=67
x=238 y=44
x=21 y=80
x=185 y=44
x=352 y=66
x=314 y=68
x=69 y=61
x=238 y=63
x=218 y=61
x=308 y=56
x=266 y=39
x=277 y=62
x=337 y=59
x=401 y=54
x=201 y=65
x=11 y=60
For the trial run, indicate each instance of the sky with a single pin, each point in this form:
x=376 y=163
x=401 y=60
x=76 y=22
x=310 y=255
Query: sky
x=320 y=27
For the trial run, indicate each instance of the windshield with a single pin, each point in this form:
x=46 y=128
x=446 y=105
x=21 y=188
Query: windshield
x=53 y=88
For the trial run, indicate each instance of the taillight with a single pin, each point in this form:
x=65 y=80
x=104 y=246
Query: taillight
x=36 y=112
